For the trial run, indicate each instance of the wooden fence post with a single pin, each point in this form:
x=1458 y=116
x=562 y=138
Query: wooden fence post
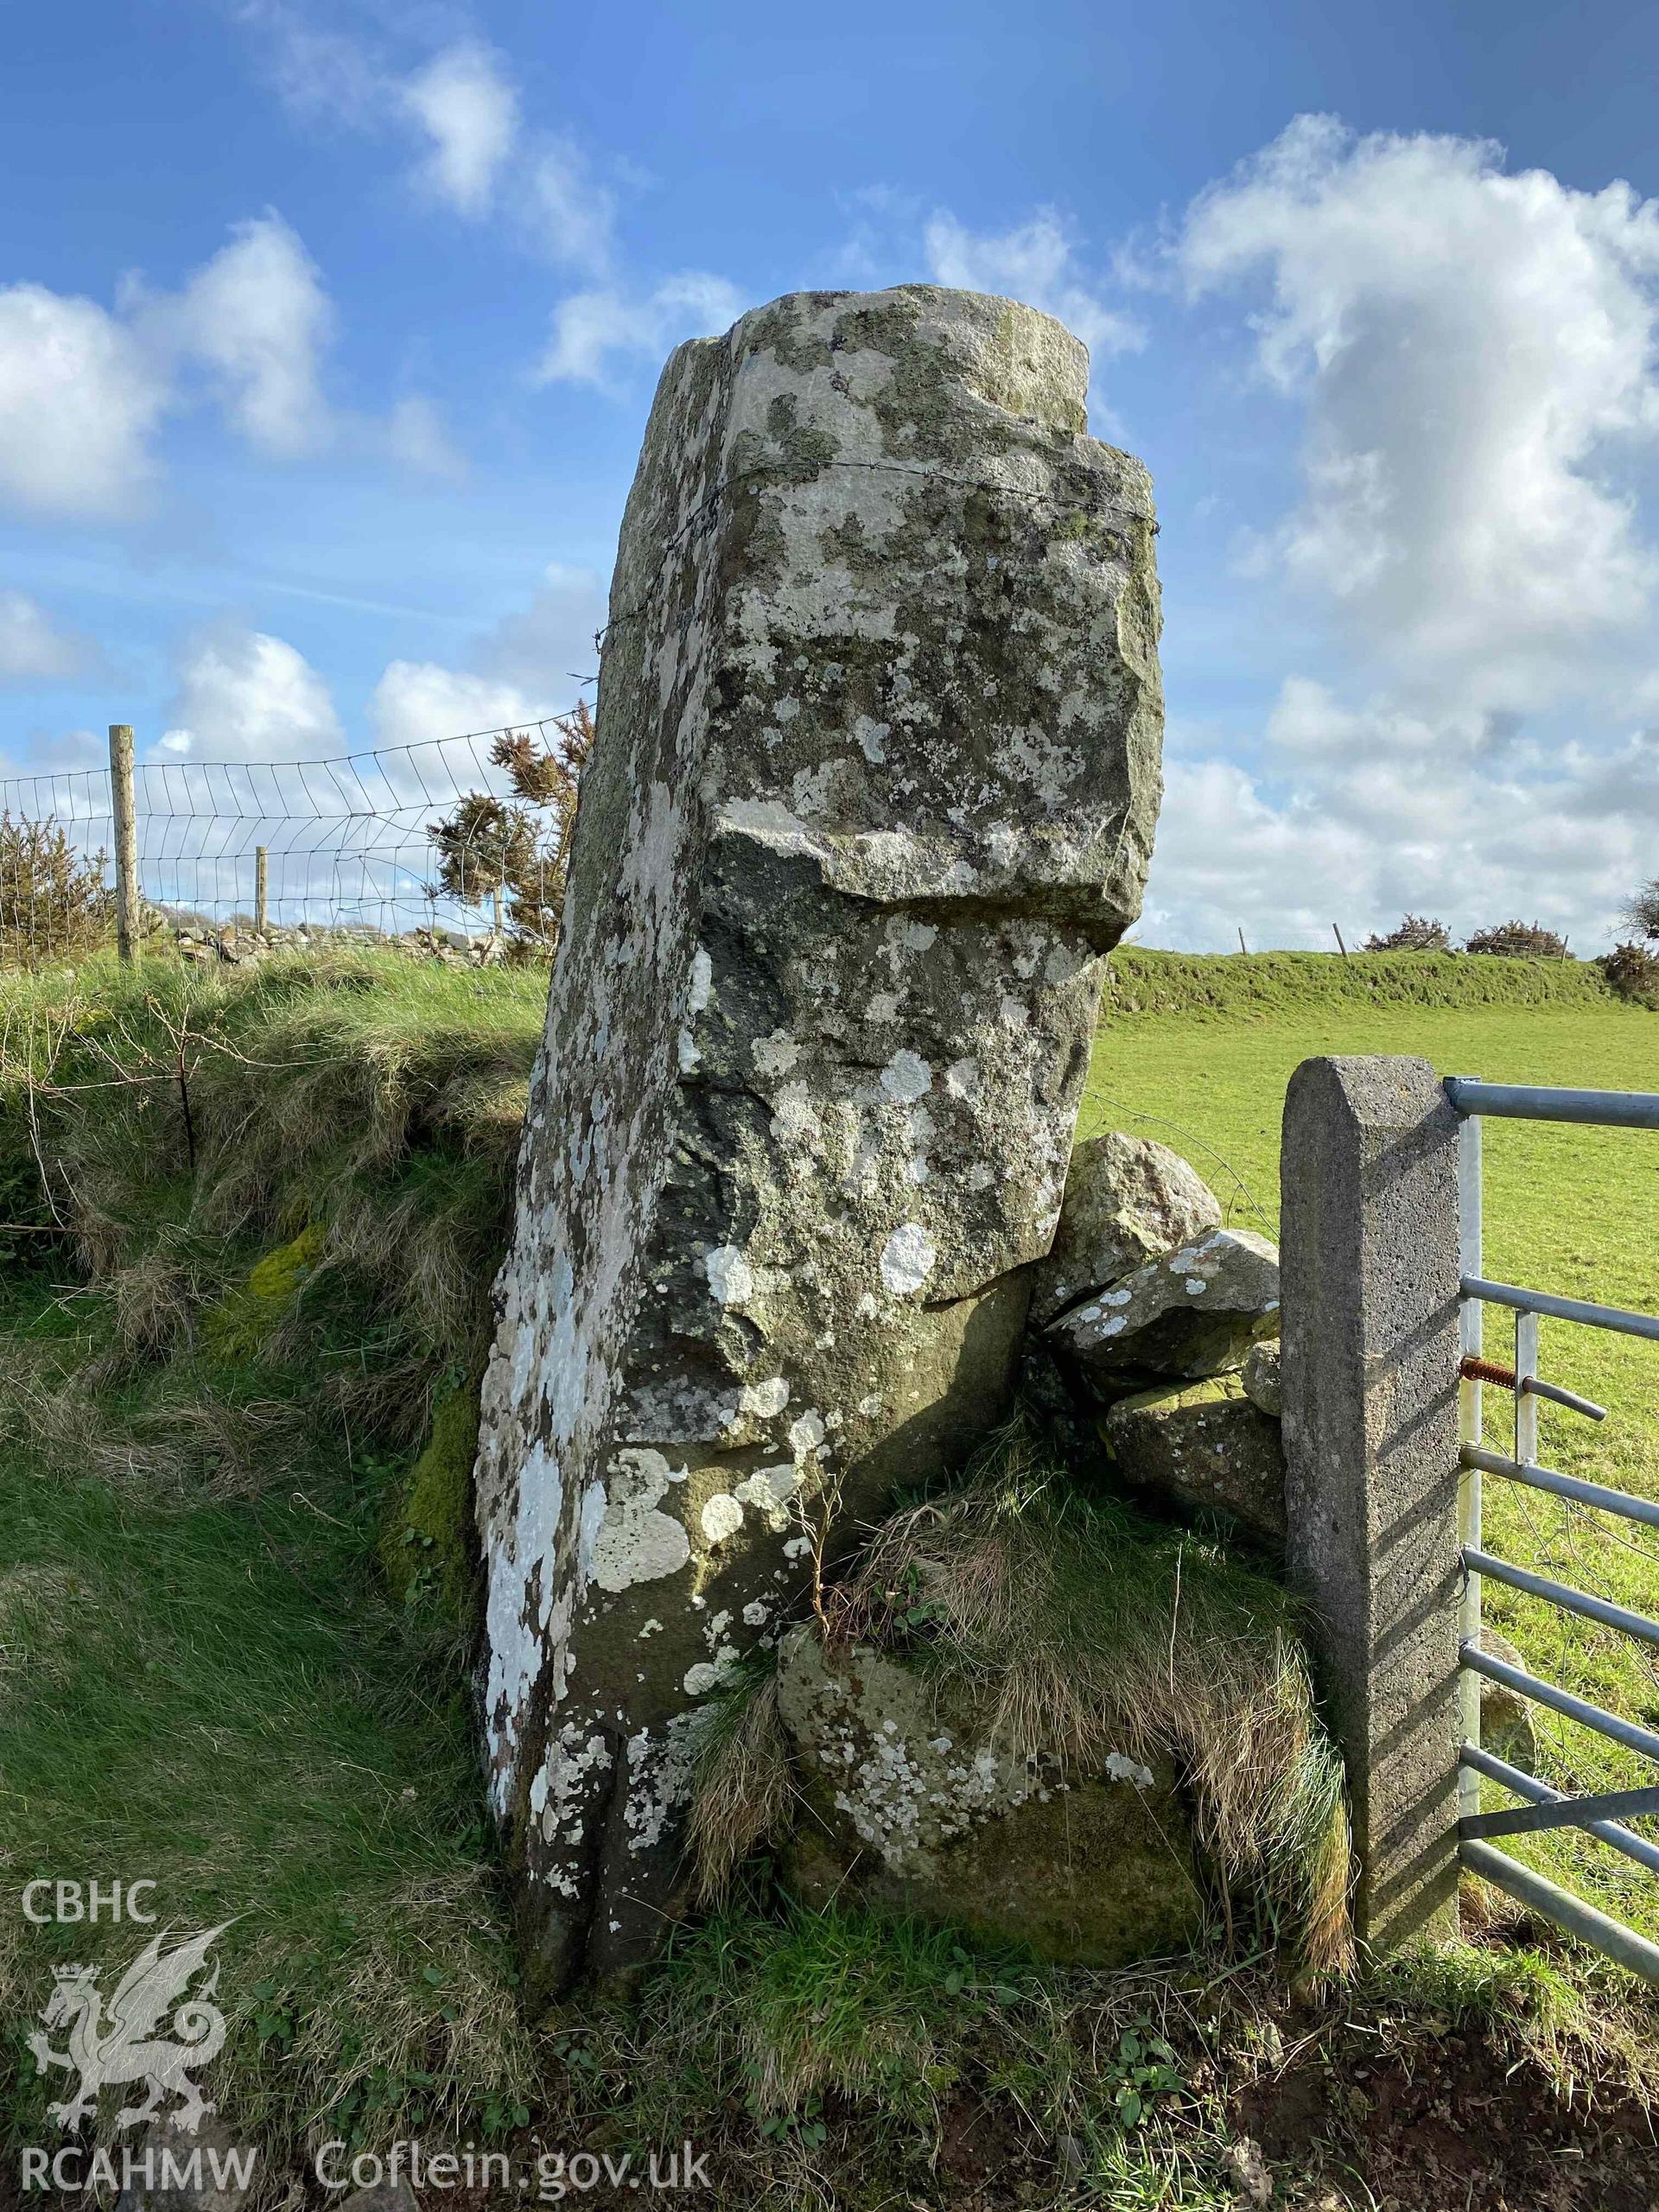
x=124 y=812
x=260 y=875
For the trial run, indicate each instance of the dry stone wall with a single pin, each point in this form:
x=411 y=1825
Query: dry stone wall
x=873 y=789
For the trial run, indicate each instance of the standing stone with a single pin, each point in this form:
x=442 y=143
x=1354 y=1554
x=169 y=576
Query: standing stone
x=873 y=792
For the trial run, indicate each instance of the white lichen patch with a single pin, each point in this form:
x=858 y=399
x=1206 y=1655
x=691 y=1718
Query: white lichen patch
x=722 y=1516
x=764 y=1400
x=768 y=1491
x=908 y=1259
x=777 y=1054
x=731 y=1279
x=635 y=1542
x=906 y=1077
x=1120 y=1767
x=806 y=1433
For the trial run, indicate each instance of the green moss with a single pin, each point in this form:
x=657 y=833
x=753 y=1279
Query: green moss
x=426 y=1546
x=240 y=1325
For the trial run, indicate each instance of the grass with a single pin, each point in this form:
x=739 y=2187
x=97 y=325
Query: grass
x=229 y=1307
x=1568 y=1210
x=256 y=1218
x=1077 y=1625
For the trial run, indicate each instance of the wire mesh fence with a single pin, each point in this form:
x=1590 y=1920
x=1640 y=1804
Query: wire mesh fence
x=459 y=839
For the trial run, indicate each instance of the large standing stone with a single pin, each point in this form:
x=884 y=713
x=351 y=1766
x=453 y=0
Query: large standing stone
x=1128 y=1200
x=873 y=789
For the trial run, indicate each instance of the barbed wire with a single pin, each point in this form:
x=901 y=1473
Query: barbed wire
x=339 y=844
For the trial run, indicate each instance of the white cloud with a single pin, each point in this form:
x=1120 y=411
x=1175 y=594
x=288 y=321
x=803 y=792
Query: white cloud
x=592 y=329
x=415 y=701
x=416 y=438
x=1037 y=263
x=32 y=647
x=546 y=650
x=80 y=397
x=463 y=103
x=1355 y=815
x=1475 y=351
x=244 y=695
x=258 y=317
x=564 y=213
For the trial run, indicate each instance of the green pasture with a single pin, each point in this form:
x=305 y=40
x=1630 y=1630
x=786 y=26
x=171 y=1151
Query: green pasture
x=1569 y=1210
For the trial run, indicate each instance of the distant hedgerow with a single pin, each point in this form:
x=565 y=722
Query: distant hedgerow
x=1415 y=933
x=1519 y=941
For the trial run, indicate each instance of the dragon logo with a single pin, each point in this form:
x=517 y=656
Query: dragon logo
x=124 y=2048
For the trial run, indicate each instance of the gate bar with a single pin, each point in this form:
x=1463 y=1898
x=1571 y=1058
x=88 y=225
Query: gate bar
x=1565 y=1813
x=1561 y=1309
x=1560 y=1593
x=1540 y=1793
x=1619 y=1942
x=1563 y=1702
x=1610 y=1110
x=1559 y=1485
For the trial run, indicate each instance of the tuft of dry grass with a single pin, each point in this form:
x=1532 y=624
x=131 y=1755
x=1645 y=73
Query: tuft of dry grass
x=741 y=1786
x=1081 y=1627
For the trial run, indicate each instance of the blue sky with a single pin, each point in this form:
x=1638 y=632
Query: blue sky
x=326 y=335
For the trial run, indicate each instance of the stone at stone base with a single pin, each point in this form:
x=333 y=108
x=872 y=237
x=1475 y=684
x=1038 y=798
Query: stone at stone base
x=1506 y=1723
x=183 y=2169
x=1126 y=1200
x=1195 y=1312
x=1203 y=1446
x=1259 y=1376
x=907 y=1807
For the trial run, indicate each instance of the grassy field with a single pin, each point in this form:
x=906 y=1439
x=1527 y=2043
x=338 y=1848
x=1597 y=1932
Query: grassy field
x=1570 y=1210
x=246 y=1226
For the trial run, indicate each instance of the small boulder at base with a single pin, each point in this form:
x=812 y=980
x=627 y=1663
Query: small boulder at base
x=1205 y=1445
x=1128 y=1200
x=1193 y=1312
x=908 y=1806
x=1506 y=1724
x=1260 y=1375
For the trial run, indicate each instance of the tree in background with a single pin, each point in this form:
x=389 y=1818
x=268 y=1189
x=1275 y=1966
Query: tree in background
x=1641 y=915
x=54 y=899
x=1519 y=941
x=1417 y=933
x=516 y=851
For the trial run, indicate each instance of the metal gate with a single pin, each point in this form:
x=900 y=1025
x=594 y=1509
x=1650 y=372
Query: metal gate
x=1600 y=1816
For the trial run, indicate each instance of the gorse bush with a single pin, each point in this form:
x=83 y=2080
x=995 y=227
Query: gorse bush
x=54 y=901
x=517 y=850
x=1633 y=971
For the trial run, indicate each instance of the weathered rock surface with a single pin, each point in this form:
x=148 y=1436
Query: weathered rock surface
x=1126 y=1200
x=1195 y=1312
x=184 y=2170
x=908 y=1806
x=1205 y=1446
x=1260 y=1375
x=1507 y=1729
x=874 y=788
